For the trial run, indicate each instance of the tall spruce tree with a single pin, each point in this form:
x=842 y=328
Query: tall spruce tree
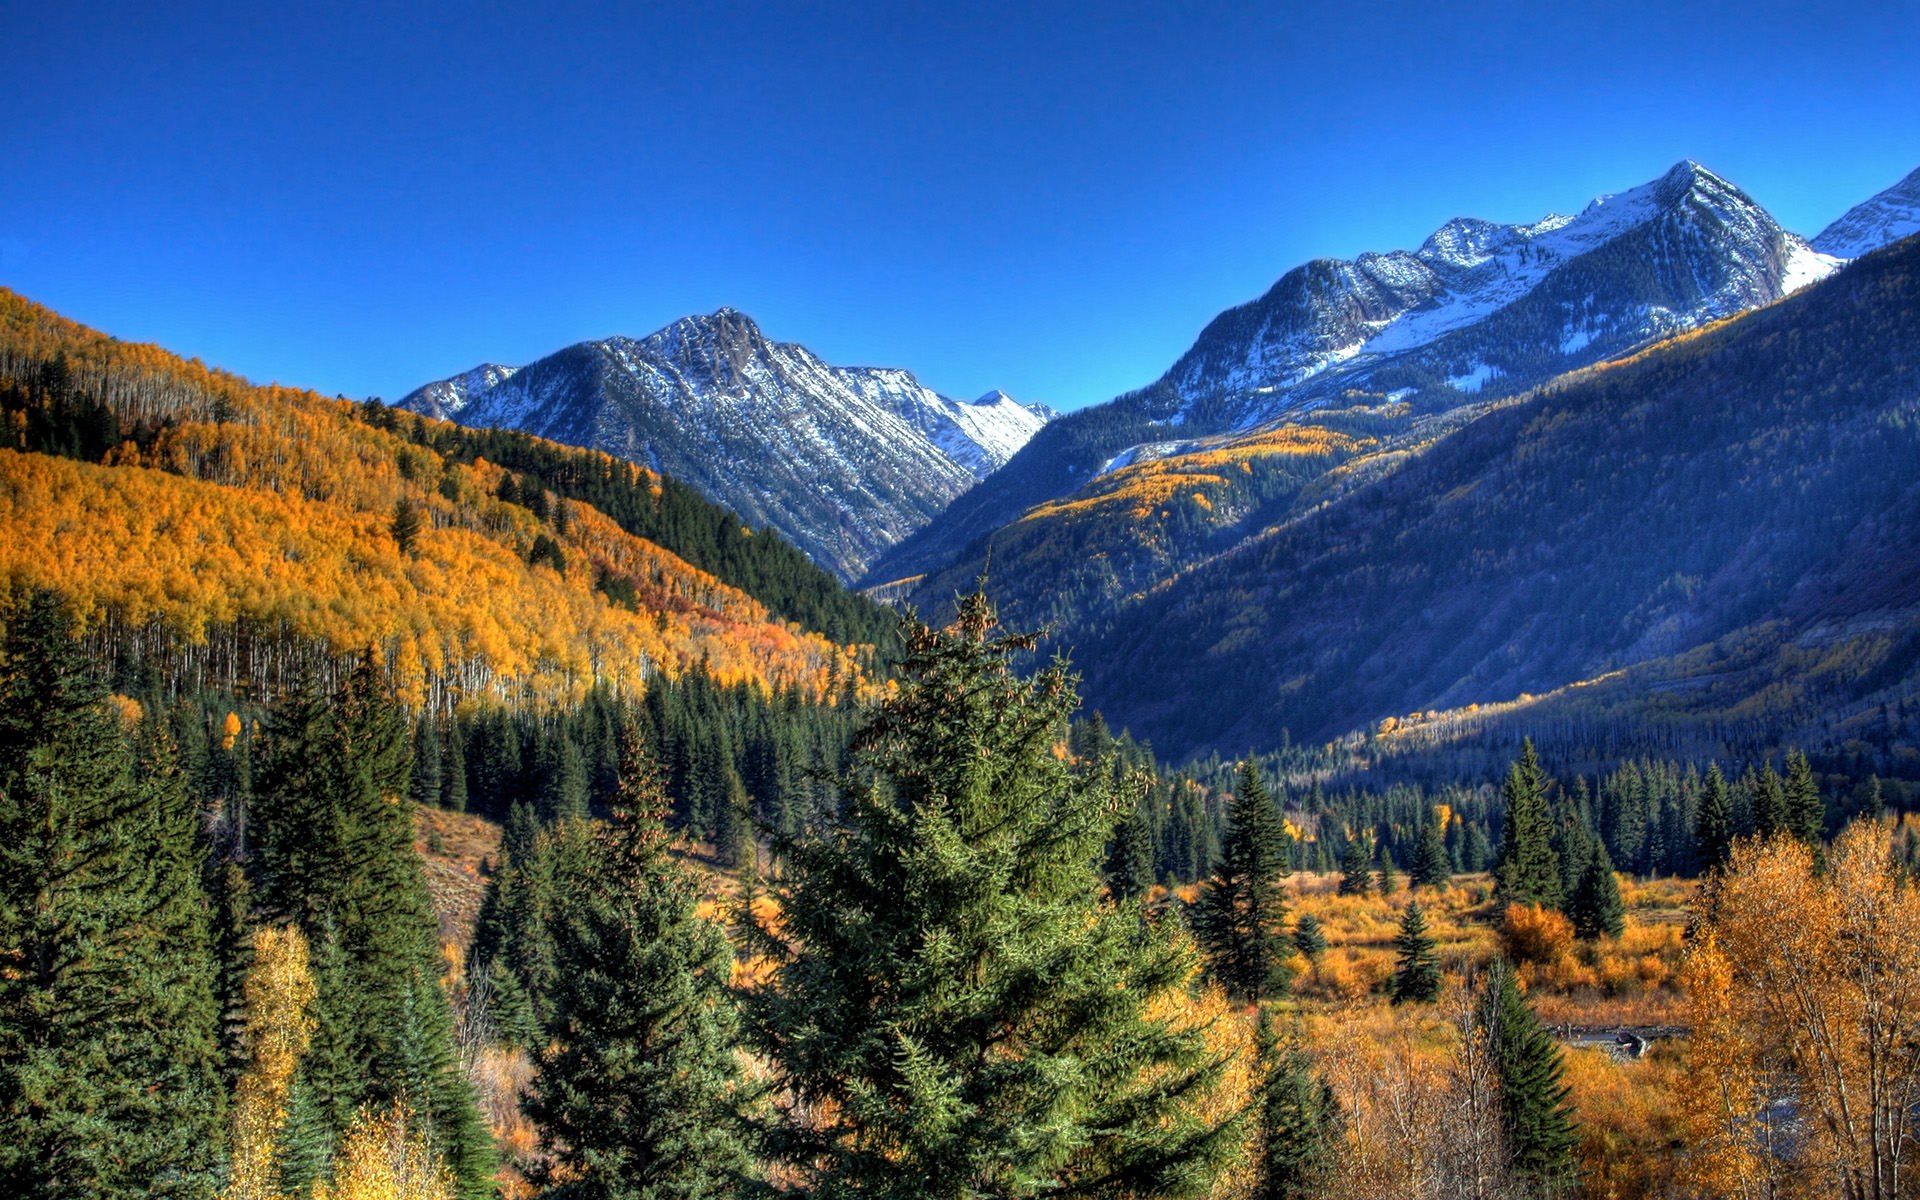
x=1130 y=857
x=1431 y=866
x=639 y=1090
x=1806 y=812
x=1529 y=870
x=1416 y=975
x=953 y=1008
x=1596 y=908
x=1308 y=937
x=1534 y=1108
x=1299 y=1120
x=1240 y=916
x=1713 y=822
x=1769 y=804
x=1356 y=867
x=109 y=1032
x=336 y=856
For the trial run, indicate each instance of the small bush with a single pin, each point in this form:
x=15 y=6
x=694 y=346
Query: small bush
x=1531 y=934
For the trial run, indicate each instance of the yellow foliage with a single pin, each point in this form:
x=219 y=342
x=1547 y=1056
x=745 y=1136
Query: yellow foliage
x=279 y=994
x=1532 y=934
x=229 y=730
x=385 y=1156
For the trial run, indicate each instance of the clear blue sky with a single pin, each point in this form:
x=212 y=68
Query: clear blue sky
x=1050 y=199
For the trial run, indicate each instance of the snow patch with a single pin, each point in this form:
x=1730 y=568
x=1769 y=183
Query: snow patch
x=1473 y=380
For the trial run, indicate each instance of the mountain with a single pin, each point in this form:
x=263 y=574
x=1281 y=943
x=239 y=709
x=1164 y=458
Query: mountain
x=1888 y=217
x=842 y=461
x=1480 y=310
x=199 y=523
x=1716 y=534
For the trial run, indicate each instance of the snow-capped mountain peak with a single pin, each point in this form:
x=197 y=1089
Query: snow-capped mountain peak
x=1886 y=218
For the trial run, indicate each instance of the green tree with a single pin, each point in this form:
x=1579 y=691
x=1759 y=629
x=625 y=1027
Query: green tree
x=1130 y=857
x=1596 y=908
x=109 y=1031
x=1356 y=868
x=1299 y=1120
x=1431 y=867
x=1769 y=803
x=1240 y=916
x=1308 y=937
x=1389 y=877
x=335 y=854
x=405 y=525
x=1806 y=812
x=1534 y=1110
x=425 y=787
x=1416 y=976
x=1713 y=822
x=953 y=1009
x=639 y=1090
x=1529 y=870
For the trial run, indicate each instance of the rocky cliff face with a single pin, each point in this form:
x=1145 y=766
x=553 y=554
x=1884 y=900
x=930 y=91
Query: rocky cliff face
x=842 y=461
x=1888 y=217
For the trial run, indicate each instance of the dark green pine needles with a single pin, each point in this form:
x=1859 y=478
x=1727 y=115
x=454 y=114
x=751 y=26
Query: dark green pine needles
x=1533 y=1101
x=1240 y=916
x=954 y=1010
x=1713 y=823
x=1416 y=976
x=1596 y=908
x=1299 y=1120
x=1356 y=867
x=109 y=1032
x=1431 y=867
x=639 y=1090
x=1529 y=870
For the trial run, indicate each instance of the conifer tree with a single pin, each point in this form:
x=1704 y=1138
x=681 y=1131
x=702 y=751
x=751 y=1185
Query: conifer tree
x=1356 y=868
x=453 y=778
x=405 y=525
x=1416 y=976
x=1769 y=804
x=1130 y=858
x=109 y=1033
x=1534 y=1108
x=1299 y=1121
x=1596 y=908
x=1431 y=867
x=953 y=1009
x=336 y=857
x=1308 y=937
x=1389 y=878
x=1713 y=823
x=1806 y=812
x=639 y=1090
x=427 y=772
x=1529 y=870
x=1240 y=915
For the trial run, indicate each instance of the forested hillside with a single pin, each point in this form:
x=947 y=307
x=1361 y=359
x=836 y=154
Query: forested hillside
x=1740 y=503
x=208 y=528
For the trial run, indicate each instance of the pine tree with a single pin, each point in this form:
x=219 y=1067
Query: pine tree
x=1769 y=804
x=1308 y=937
x=1431 y=867
x=1299 y=1121
x=425 y=788
x=1356 y=868
x=453 y=779
x=109 y=1032
x=1806 y=812
x=1240 y=915
x=1713 y=823
x=1534 y=1109
x=1389 y=878
x=639 y=1091
x=405 y=525
x=1596 y=908
x=1416 y=976
x=953 y=1008
x=336 y=857
x=1130 y=857
x=1529 y=870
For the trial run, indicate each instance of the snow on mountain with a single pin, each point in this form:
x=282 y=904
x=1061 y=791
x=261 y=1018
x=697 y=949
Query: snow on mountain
x=1481 y=302
x=1888 y=217
x=842 y=461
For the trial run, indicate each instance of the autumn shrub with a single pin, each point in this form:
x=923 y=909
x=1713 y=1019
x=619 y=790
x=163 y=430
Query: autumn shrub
x=386 y=1156
x=1532 y=934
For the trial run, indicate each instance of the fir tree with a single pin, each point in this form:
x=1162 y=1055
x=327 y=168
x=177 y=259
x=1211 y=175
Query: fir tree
x=1529 y=870
x=1356 y=868
x=1713 y=823
x=1389 y=878
x=1596 y=908
x=1431 y=867
x=109 y=1032
x=1416 y=976
x=1130 y=857
x=405 y=525
x=427 y=772
x=1769 y=804
x=1308 y=937
x=1806 y=812
x=1534 y=1108
x=639 y=1090
x=1240 y=915
x=953 y=1009
x=453 y=778
x=1299 y=1121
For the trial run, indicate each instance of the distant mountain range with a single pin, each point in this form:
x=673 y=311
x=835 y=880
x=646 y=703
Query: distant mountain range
x=1481 y=310
x=842 y=461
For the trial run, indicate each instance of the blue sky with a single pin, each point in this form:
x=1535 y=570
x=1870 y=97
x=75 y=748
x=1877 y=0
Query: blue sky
x=1049 y=199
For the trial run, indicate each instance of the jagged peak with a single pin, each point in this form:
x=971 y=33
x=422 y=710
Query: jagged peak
x=996 y=396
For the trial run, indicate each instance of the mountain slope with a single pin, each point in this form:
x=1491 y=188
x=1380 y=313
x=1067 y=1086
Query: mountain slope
x=842 y=461
x=184 y=510
x=1479 y=311
x=1888 y=217
x=1757 y=480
